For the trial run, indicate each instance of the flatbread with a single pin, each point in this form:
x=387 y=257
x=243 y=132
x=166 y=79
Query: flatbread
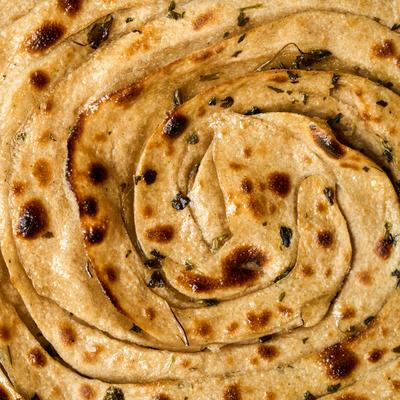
x=192 y=211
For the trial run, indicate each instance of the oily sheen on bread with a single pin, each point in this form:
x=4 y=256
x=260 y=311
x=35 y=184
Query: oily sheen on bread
x=200 y=200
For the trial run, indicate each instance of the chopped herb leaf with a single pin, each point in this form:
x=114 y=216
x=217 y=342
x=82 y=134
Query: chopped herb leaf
x=137 y=179
x=275 y=89
x=259 y=5
x=282 y=296
x=179 y=202
x=328 y=192
x=368 y=321
x=396 y=274
x=335 y=79
x=294 y=78
x=193 y=138
x=376 y=19
x=152 y=263
x=177 y=98
x=286 y=235
x=242 y=20
x=333 y=121
x=157 y=254
x=241 y=38
x=136 y=329
x=386 y=84
x=308 y=396
x=310 y=58
x=219 y=241
x=333 y=388
x=304 y=340
x=171 y=361
x=189 y=265
x=128 y=253
x=265 y=338
x=136 y=31
x=283 y=274
x=209 y=77
x=48 y=235
x=382 y=103
x=20 y=137
x=212 y=101
x=156 y=280
x=226 y=35
x=387 y=151
x=253 y=111
x=35 y=397
x=305 y=98
x=227 y=102
x=172 y=13
x=395 y=27
x=210 y=302
x=396 y=349
x=366 y=169
x=114 y=393
x=129 y=19
x=236 y=53
x=99 y=32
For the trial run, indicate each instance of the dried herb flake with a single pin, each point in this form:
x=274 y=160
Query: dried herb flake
x=242 y=20
x=99 y=32
x=333 y=388
x=156 y=280
x=114 y=393
x=382 y=103
x=193 y=138
x=179 y=202
x=328 y=192
x=308 y=396
x=227 y=102
x=174 y=14
x=209 y=77
x=286 y=235
x=210 y=302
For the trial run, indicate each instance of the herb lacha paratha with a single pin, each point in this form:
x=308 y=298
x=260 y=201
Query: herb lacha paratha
x=200 y=200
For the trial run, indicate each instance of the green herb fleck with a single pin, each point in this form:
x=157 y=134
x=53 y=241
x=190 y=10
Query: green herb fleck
x=395 y=27
x=177 y=99
x=241 y=38
x=306 y=59
x=189 y=265
x=396 y=349
x=157 y=255
x=210 y=302
x=156 y=280
x=174 y=14
x=305 y=98
x=129 y=19
x=48 y=235
x=253 y=111
x=286 y=235
x=21 y=136
x=128 y=253
x=304 y=340
x=335 y=79
x=219 y=241
x=171 y=361
x=236 y=53
x=294 y=78
x=308 y=396
x=114 y=393
x=180 y=201
x=226 y=35
x=136 y=329
x=387 y=151
x=333 y=388
x=366 y=169
x=328 y=192
x=212 y=101
x=333 y=121
x=282 y=296
x=209 y=77
x=368 y=321
x=242 y=20
x=265 y=338
x=283 y=274
x=99 y=32
x=227 y=102
x=193 y=138
x=275 y=89
x=382 y=103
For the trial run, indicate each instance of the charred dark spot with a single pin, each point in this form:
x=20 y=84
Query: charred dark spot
x=338 y=361
x=44 y=37
x=365 y=277
x=147 y=211
x=161 y=396
x=348 y=313
x=111 y=274
x=88 y=206
x=3 y=394
x=70 y=7
x=324 y=238
x=242 y=266
x=175 y=125
x=258 y=321
x=160 y=233
x=42 y=171
x=232 y=392
x=150 y=313
x=280 y=78
x=384 y=49
x=350 y=396
x=256 y=207
x=384 y=247
x=111 y=296
x=39 y=79
x=253 y=111
x=246 y=185
x=279 y=183
x=307 y=270
x=32 y=220
x=127 y=94
x=284 y=310
x=327 y=143
x=321 y=207
x=235 y=166
x=202 y=20
x=375 y=355
x=156 y=280
x=97 y=173
x=267 y=352
x=203 y=329
x=149 y=176
x=86 y=392
x=286 y=235
x=36 y=357
x=5 y=333
x=17 y=188
x=247 y=152
x=233 y=326
x=199 y=283
x=94 y=234
x=396 y=385
x=68 y=336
